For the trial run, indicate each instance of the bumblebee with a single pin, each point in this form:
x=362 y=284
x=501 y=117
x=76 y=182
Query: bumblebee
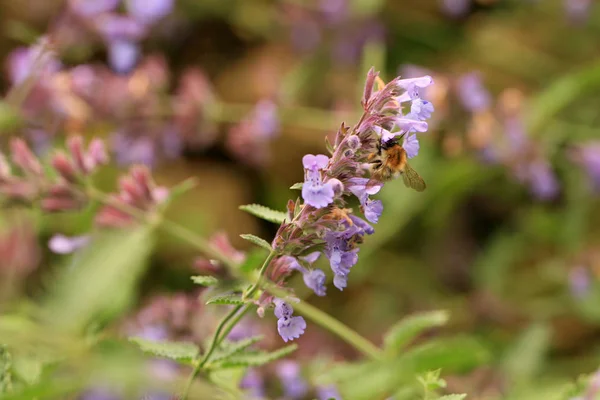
x=390 y=161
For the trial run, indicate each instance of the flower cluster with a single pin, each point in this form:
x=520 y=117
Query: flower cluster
x=122 y=32
x=59 y=189
x=322 y=224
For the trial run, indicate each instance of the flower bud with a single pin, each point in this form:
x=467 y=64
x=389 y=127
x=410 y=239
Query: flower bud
x=64 y=166
x=24 y=158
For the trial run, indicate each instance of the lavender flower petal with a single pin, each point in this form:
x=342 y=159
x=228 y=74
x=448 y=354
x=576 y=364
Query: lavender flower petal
x=315 y=280
x=291 y=328
x=411 y=145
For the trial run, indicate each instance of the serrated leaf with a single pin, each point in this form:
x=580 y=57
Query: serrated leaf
x=228 y=349
x=257 y=241
x=401 y=334
x=453 y=397
x=257 y=359
x=180 y=351
x=205 y=280
x=264 y=212
x=234 y=299
x=253 y=260
x=297 y=186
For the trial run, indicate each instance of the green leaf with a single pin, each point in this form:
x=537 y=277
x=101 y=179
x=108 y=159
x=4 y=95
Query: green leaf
x=297 y=186
x=180 y=351
x=257 y=241
x=526 y=356
x=205 y=280
x=234 y=299
x=28 y=369
x=102 y=284
x=258 y=358
x=228 y=349
x=401 y=334
x=264 y=212
x=453 y=397
x=458 y=354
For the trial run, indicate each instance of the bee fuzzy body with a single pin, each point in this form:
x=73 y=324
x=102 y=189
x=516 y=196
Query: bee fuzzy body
x=391 y=161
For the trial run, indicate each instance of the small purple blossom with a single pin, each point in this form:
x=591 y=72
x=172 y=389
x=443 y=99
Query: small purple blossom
x=411 y=145
x=123 y=55
x=61 y=244
x=328 y=392
x=542 y=180
x=149 y=11
x=294 y=386
x=90 y=8
x=315 y=280
x=579 y=281
x=472 y=94
x=289 y=327
x=420 y=82
x=588 y=156
x=410 y=125
x=254 y=383
x=315 y=192
x=456 y=8
x=421 y=109
x=372 y=209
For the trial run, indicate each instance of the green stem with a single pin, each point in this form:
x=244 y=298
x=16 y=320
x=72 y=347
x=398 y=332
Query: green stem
x=218 y=337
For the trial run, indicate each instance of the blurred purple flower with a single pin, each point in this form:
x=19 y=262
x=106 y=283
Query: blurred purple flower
x=61 y=244
x=472 y=94
x=254 y=383
x=123 y=55
x=294 y=386
x=89 y=8
x=37 y=59
x=100 y=393
x=133 y=150
x=149 y=11
x=588 y=156
x=315 y=192
x=328 y=392
x=579 y=281
x=289 y=327
x=541 y=179
x=456 y=8
x=578 y=11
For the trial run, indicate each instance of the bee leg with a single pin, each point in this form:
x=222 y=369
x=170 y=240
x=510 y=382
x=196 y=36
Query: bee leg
x=376 y=163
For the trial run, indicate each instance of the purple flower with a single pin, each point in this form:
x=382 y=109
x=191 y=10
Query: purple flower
x=61 y=244
x=420 y=82
x=123 y=55
x=372 y=210
x=254 y=383
x=456 y=8
x=341 y=253
x=315 y=192
x=473 y=96
x=315 y=280
x=289 y=327
x=149 y=11
x=89 y=8
x=25 y=61
x=340 y=281
x=421 y=109
x=328 y=392
x=577 y=11
x=407 y=124
x=294 y=386
x=588 y=156
x=541 y=179
x=411 y=145
x=579 y=281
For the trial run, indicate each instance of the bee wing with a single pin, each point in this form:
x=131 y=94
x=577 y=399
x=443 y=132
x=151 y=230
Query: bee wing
x=412 y=179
